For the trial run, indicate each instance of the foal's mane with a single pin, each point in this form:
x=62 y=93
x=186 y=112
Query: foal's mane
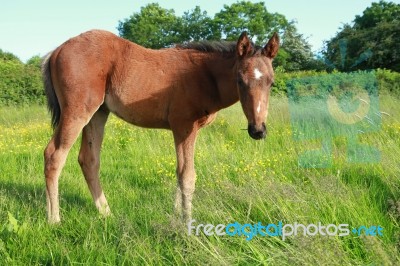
x=222 y=47
x=226 y=48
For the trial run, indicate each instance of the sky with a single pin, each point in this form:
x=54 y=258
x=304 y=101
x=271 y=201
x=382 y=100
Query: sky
x=29 y=28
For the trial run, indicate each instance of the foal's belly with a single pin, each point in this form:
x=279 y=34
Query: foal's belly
x=151 y=112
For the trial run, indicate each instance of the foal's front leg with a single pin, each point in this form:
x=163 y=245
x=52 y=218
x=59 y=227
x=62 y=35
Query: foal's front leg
x=184 y=145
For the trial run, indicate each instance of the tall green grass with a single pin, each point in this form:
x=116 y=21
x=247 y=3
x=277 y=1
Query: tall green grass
x=238 y=179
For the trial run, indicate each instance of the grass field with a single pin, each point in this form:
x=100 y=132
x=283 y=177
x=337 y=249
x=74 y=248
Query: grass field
x=238 y=179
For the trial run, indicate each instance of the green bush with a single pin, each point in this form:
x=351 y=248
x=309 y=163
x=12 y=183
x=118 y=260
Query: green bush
x=387 y=80
x=20 y=83
x=281 y=78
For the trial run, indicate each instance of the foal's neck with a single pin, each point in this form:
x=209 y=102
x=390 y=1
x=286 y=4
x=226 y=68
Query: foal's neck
x=223 y=71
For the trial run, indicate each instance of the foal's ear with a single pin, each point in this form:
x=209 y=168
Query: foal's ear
x=271 y=48
x=243 y=46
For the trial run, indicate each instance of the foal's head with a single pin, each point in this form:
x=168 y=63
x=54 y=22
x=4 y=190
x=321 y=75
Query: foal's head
x=254 y=79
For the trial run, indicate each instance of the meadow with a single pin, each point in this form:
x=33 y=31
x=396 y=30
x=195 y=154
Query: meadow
x=238 y=179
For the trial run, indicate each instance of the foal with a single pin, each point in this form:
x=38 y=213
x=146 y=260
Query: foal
x=178 y=88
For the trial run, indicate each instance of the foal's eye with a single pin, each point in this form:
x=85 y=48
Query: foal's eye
x=240 y=82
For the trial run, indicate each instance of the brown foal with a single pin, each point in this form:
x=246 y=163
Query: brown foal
x=179 y=88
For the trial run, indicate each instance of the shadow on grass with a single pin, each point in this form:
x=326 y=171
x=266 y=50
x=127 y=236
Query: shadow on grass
x=34 y=196
x=379 y=191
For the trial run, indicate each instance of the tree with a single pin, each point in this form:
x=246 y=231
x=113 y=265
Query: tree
x=295 y=52
x=156 y=27
x=152 y=27
x=372 y=41
x=378 y=12
x=251 y=17
x=197 y=25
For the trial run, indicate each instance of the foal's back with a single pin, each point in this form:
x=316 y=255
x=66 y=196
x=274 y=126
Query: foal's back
x=135 y=83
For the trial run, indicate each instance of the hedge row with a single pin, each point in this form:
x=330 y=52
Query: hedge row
x=387 y=80
x=22 y=84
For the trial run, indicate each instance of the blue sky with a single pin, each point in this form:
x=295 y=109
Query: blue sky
x=30 y=28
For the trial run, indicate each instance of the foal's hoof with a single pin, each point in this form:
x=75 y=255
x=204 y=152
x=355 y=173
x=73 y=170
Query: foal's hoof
x=105 y=211
x=54 y=220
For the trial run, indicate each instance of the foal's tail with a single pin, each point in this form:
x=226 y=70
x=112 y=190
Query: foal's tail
x=52 y=101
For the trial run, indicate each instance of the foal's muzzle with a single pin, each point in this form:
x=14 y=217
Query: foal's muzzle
x=257 y=132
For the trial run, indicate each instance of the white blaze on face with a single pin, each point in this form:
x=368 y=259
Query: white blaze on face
x=257 y=73
x=259 y=107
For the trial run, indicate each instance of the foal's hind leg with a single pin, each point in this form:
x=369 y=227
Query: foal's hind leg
x=89 y=158
x=55 y=154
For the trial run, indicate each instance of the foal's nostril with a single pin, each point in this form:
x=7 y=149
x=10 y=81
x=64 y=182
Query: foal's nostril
x=257 y=132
